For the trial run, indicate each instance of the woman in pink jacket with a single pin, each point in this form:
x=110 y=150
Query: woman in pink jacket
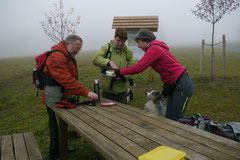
x=178 y=86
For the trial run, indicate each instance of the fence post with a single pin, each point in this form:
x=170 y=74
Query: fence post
x=224 y=55
x=150 y=74
x=201 y=58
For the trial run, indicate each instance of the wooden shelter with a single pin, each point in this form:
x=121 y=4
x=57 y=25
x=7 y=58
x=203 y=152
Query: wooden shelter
x=133 y=24
x=136 y=22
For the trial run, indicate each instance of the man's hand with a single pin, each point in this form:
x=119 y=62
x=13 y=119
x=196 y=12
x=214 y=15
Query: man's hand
x=113 y=65
x=93 y=95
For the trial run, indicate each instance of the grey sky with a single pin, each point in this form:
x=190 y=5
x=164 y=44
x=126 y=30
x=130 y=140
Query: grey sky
x=22 y=34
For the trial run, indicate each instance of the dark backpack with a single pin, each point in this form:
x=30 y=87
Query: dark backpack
x=39 y=79
x=230 y=130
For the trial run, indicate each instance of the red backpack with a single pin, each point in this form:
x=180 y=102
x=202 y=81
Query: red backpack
x=38 y=75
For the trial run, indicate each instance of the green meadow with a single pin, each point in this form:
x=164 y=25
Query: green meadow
x=22 y=111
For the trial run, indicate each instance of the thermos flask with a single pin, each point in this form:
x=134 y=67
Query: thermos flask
x=96 y=89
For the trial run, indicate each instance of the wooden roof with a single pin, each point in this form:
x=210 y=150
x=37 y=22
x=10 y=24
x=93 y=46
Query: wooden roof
x=136 y=22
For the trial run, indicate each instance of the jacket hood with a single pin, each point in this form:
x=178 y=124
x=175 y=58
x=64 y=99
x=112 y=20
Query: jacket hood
x=160 y=43
x=61 y=46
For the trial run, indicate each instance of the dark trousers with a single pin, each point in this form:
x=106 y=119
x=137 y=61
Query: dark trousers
x=54 y=141
x=177 y=102
x=121 y=97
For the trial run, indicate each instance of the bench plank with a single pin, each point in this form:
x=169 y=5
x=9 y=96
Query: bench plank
x=32 y=146
x=7 y=148
x=20 y=147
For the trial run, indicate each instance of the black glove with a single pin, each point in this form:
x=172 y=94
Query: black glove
x=122 y=77
x=117 y=72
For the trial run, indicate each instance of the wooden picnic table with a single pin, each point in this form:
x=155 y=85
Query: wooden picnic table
x=122 y=132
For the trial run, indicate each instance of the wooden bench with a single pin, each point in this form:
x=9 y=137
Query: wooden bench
x=21 y=146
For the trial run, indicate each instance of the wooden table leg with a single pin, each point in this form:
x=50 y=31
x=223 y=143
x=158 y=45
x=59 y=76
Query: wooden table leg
x=63 y=139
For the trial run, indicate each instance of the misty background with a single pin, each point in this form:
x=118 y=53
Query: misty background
x=21 y=33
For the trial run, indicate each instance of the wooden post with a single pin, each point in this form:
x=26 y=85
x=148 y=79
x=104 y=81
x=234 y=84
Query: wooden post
x=201 y=58
x=63 y=139
x=224 y=56
x=150 y=74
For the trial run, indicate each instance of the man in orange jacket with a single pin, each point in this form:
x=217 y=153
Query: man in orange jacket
x=61 y=82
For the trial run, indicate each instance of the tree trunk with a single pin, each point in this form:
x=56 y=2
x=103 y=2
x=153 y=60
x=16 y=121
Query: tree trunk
x=213 y=54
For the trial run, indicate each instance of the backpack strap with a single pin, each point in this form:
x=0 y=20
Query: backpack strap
x=103 y=70
x=48 y=80
x=108 y=51
x=50 y=52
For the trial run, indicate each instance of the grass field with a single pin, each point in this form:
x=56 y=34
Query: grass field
x=22 y=111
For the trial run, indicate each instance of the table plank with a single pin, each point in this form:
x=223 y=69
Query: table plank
x=156 y=138
x=100 y=142
x=114 y=136
x=205 y=135
x=6 y=148
x=214 y=141
x=154 y=126
x=127 y=132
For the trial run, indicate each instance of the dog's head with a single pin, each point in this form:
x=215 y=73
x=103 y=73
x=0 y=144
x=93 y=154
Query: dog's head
x=154 y=95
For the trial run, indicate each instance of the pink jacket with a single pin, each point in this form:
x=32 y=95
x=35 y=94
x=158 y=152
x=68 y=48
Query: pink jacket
x=157 y=56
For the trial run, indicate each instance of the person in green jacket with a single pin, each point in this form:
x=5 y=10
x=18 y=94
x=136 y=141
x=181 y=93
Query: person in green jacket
x=112 y=56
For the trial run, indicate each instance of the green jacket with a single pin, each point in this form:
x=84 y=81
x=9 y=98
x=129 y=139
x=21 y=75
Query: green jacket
x=122 y=58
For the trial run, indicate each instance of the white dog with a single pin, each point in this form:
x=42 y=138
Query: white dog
x=155 y=103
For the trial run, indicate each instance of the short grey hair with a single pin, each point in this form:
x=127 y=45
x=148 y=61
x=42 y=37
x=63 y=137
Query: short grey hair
x=72 y=38
x=145 y=35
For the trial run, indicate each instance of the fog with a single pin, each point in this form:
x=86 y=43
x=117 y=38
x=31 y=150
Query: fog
x=21 y=33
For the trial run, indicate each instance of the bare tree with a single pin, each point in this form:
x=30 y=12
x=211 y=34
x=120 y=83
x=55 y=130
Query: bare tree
x=212 y=11
x=57 y=24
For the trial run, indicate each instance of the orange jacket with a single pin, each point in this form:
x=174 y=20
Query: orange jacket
x=63 y=68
